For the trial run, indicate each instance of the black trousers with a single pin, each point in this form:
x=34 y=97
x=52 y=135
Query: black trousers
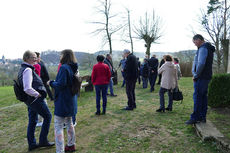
x=130 y=91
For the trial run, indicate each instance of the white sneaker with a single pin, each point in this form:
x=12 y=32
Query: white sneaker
x=39 y=124
x=75 y=124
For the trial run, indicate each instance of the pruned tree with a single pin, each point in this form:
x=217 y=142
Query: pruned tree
x=149 y=29
x=105 y=27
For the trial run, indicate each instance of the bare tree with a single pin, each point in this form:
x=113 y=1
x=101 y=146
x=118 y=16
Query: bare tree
x=149 y=29
x=105 y=27
x=127 y=36
x=216 y=24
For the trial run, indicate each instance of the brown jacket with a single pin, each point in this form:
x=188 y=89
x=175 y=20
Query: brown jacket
x=169 y=75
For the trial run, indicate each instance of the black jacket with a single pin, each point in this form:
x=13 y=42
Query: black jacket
x=131 y=68
x=153 y=65
x=44 y=73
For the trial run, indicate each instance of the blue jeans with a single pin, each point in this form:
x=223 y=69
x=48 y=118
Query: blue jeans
x=110 y=87
x=162 y=99
x=152 y=80
x=145 y=82
x=38 y=107
x=101 y=89
x=200 y=99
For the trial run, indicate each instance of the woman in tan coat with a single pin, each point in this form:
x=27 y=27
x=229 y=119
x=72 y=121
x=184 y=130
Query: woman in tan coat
x=168 y=82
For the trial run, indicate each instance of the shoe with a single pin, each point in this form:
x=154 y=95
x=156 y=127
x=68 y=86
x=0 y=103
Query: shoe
x=107 y=94
x=32 y=147
x=70 y=148
x=128 y=108
x=64 y=126
x=168 y=109
x=202 y=120
x=97 y=113
x=47 y=144
x=190 y=122
x=75 y=124
x=113 y=95
x=134 y=107
x=103 y=112
x=39 y=124
x=160 y=110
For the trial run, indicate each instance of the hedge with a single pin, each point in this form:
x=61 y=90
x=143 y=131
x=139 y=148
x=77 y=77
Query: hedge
x=219 y=91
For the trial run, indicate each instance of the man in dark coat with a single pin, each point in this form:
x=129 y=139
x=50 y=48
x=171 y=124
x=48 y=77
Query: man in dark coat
x=45 y=77
x=153 y=66
x=131 y=74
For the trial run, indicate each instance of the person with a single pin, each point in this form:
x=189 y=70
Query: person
x=202 y=74
x=160 y=75
x=100 y=78
x=65 y=102
x=139 y=71
x=168 y=82
x=176 y=62
x=122 y=64
x=108 y=61
x=37 y=69
x=131 y=74
x=34 y=88
x=145 y=73
x=74 y=116
x=45 y=77
x=153 y=66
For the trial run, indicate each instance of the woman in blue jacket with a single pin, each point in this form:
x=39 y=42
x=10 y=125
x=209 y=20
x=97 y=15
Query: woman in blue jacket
x=65 y=102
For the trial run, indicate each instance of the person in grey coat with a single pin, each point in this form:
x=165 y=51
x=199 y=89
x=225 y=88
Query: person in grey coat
x=168 y=82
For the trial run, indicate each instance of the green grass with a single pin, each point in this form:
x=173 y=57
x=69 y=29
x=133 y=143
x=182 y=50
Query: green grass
x=138 y=131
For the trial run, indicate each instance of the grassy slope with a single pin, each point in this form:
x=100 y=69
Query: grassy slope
x=141 y=130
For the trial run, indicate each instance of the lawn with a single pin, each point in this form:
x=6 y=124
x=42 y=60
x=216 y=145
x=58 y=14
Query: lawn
x=138 y=131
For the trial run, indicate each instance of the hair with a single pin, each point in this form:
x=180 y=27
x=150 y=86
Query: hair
x=68 y=57
x=126 y=51
x=38 y=54
x=168 y=58
x=198 y=36
x=100 y=58
x=176 y=60
x=27 y=55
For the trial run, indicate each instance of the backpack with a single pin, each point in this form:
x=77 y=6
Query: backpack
x=19 y=92
x=76 y=83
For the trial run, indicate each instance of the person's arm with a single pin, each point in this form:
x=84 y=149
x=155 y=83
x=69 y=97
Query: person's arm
x=27 y=78
x=203 y=53
x=61 y=82
x=161 y=69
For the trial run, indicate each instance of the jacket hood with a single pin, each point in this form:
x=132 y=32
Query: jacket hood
x=169 y=64
x=209 y=46
x=74 y=67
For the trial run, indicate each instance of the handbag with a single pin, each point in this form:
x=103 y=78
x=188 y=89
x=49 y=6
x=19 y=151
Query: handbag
x=177 y=94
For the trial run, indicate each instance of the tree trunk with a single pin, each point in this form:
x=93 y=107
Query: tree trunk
x=148 y=46
x=228 y=71
x=225 y=45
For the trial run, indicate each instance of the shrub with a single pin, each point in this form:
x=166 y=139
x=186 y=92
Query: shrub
x=219 y=91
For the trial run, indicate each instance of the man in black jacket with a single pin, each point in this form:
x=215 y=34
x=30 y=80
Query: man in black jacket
x=131 y=74
x=153 y=66
x=45 y=77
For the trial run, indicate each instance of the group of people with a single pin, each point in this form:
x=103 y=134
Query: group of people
x=65 y=101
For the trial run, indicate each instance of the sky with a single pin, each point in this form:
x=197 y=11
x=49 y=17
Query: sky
x=40 y=25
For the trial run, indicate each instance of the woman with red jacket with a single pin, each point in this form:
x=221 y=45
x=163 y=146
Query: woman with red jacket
x=100 y=78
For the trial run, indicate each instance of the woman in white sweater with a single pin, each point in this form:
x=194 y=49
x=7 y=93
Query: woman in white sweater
x=168 y=82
